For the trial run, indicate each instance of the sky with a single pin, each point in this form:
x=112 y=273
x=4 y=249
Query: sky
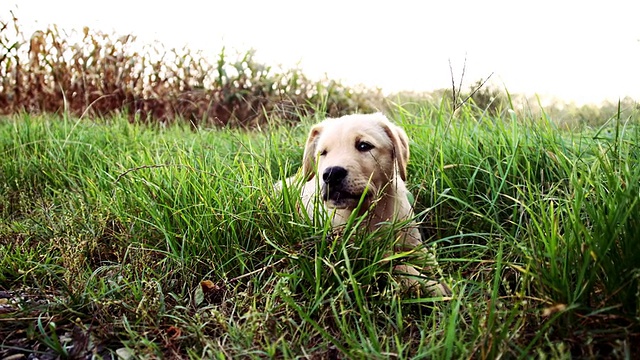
x=579 y=51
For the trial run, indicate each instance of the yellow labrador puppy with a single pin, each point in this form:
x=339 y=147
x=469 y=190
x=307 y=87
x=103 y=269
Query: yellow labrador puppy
x=364 y=158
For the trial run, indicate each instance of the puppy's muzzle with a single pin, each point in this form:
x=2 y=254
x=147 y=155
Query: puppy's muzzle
x=333 y=176
x=335 y=190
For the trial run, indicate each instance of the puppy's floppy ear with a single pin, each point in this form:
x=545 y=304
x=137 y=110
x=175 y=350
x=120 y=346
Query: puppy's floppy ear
x=403 y=151
x=400 y=142
x=310 y=153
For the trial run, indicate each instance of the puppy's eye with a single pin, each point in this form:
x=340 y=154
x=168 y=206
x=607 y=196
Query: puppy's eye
x=323 y=152
x=363 y=146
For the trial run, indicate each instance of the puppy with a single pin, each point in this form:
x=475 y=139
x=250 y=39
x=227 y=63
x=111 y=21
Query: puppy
x=360 y=162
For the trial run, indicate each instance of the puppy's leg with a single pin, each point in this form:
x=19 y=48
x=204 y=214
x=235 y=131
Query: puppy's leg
x=424 y=258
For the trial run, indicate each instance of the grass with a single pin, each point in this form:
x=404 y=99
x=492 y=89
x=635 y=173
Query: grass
x=135 y=240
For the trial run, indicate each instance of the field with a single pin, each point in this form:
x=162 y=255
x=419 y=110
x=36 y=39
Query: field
x=147 y=241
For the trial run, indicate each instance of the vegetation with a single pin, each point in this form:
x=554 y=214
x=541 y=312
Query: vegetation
x=95 y=74
x=120 y=237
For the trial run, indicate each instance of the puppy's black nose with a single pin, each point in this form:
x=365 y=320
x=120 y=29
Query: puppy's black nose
x=334 y=175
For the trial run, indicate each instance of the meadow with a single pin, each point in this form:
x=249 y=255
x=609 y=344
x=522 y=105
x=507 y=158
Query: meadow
x=146 y=241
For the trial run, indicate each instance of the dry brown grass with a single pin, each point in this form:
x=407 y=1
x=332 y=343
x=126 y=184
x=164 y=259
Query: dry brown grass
x=102 y=75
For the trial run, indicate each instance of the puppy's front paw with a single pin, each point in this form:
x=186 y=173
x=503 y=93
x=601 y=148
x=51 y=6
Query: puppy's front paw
x=415 y=283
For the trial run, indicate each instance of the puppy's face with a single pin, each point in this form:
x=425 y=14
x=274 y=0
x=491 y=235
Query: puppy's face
x=355 y=155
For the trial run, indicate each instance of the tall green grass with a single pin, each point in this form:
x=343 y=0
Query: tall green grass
x=172 y=242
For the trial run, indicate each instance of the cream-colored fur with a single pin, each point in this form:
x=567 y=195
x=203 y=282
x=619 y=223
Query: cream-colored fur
x=363 y=158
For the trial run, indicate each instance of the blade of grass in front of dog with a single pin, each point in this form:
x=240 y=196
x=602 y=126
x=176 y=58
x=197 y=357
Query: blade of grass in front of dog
x=305 y=315
x=451 y=332
x=359 y=298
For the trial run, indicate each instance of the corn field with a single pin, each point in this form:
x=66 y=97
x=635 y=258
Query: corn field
x=91 y=73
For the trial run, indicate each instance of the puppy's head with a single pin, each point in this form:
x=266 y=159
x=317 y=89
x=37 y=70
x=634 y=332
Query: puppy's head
x=354 y=155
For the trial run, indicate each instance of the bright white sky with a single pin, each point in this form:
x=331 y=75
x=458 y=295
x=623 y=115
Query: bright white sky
x=576 y=50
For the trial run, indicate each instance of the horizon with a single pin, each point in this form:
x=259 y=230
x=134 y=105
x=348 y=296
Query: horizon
x=556 y=53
